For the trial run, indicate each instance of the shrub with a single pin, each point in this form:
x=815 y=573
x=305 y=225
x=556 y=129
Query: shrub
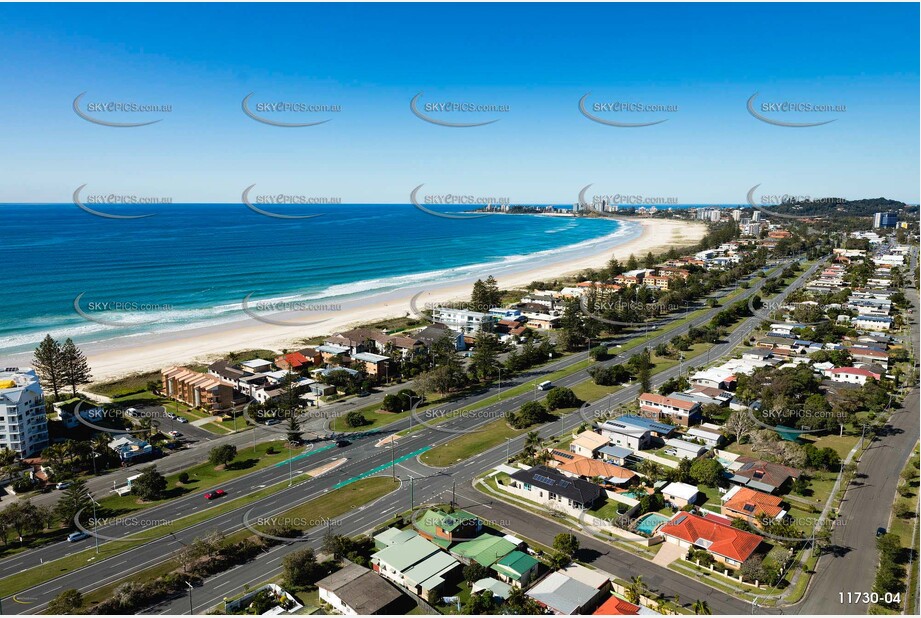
x=183 y=477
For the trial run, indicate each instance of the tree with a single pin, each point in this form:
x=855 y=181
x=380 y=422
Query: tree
x=301 y=569
x=222 y=455
x=635 y=589
x=561 y=397
x=47 y=363
x=355 y=419
x=740 y=424
x=707 y=471
x=74 y=499
x=474 y=572
x=566 y=543
x=150 y=485
x=484 y=361
x=293 y=427
x=701 y=608
x=75 y=370
x=68 y=602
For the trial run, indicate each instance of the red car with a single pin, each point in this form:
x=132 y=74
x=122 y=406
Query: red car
x=217 y=493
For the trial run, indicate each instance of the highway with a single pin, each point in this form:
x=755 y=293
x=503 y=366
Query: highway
x=360 y=459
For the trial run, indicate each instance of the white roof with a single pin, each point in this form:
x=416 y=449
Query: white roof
x=703 y=433
x=680 y=490
x=256 y=363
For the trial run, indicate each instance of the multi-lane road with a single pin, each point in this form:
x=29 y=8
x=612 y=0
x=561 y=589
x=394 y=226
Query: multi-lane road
x=429 y=484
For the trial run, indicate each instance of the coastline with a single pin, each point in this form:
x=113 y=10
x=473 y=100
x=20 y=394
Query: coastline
x=150 y=352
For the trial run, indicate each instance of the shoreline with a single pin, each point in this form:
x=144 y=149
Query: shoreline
x=154 y=351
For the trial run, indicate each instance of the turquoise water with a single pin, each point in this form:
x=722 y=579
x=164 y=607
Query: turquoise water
x=649 y=522
x=191 y=265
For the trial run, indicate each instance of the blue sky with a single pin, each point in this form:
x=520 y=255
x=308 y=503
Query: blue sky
x=539 y=60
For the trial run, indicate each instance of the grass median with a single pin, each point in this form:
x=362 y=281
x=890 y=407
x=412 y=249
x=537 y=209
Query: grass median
x=38 y=575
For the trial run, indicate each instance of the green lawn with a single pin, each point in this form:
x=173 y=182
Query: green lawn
x=491 y=434
x=587 y=390
x=203 y=476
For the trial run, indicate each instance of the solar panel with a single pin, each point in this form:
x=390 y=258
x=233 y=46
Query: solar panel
x=543 y=479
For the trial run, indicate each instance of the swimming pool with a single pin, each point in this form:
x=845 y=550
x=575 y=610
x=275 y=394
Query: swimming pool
x=648 y=523
x=636 y=495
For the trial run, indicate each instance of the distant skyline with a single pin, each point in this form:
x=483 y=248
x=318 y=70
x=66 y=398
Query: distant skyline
x=702 y=62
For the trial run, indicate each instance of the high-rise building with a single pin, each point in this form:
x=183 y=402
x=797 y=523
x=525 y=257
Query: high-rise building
x=736 y=215
x=23 y=423
x=885 y=219
x=756 y=216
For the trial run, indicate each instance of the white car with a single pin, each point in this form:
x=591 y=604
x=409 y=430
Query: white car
x=179 y=419
x=175 y=434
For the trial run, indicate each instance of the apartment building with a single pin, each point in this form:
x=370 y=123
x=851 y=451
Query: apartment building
x=23 y=423
x=199 y=390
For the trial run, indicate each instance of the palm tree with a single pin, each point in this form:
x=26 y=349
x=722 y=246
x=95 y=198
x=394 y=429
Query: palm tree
x=531 y=443
x=701 y=608
x=635 y=590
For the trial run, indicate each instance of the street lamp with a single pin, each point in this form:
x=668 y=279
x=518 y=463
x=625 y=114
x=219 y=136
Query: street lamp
x=191 y=610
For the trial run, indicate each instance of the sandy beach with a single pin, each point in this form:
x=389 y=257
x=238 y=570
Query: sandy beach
x=153 y=352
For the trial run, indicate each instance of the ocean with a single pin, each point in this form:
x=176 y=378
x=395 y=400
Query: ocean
x=72 y=274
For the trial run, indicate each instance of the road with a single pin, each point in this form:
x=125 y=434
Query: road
x=429 y=483
x=850 y=565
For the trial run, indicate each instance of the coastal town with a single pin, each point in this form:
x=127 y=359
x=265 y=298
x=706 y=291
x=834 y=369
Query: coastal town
x=693 y=431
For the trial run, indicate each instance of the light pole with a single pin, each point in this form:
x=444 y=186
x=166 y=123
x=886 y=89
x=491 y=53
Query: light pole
x=191 y=610
x=290 y=465
x=508 y=449
x=500 y=382
x=393 y=463
x=95 y=521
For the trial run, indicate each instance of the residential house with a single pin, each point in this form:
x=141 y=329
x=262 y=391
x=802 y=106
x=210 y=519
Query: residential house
x=354 y=590
x=129 y=449
x=680 y=494
x=374 y=364
x=862 y=354
x=547 y=486
x=447 y=528
x=682 y=449
x=256 y=365
x=660 y=407
x=615 y=454
x=578 y=466
x=430 y=334
x=564 y=595
x=516 y=568
x=417 y=565
x=764 y=476
x=872 y=322
x=852 y=375
x=616 y=606
x=725 y=543
x=709 y=437
x=499 y=590
x=751 y=505
x=588 y=443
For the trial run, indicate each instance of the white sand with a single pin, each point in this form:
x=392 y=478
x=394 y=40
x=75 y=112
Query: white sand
x=153 y=352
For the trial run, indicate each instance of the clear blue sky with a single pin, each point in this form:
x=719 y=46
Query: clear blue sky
x=537 y=59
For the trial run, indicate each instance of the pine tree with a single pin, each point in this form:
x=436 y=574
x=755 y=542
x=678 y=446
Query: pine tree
x=74 y=368
x=47 y=362
x=493 y=295
x=479 y=296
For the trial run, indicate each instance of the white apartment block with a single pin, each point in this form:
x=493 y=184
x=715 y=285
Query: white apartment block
x=23 y=424
x=463 y=320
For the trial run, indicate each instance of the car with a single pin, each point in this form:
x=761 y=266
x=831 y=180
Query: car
x=217 y=493
x=174 y=433
x=170 y=415
x=272 y=421
x=180 y=419
x=62 y=485
x=363 y=394
x=131 y=412
x=546 y=385
x=342 y=443
x=73 y=537
x=880 y=531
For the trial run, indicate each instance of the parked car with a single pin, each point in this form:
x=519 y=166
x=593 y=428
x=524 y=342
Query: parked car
x=880 y=531
x=342 y=443
x=131 y=412
x=174 y=433
x=62 y=485
x=73 y=537
x=272 y=421
x=180 y=419
x=217 y=493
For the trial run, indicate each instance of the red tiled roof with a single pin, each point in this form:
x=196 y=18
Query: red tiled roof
x=723 y=540
x=856 y=371
x=296 y=359
x=617 y=607
x=753 y=503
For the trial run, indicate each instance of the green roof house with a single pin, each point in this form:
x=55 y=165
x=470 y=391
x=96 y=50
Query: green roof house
x=486 y=549
x=446 y=528
x=516 y=568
